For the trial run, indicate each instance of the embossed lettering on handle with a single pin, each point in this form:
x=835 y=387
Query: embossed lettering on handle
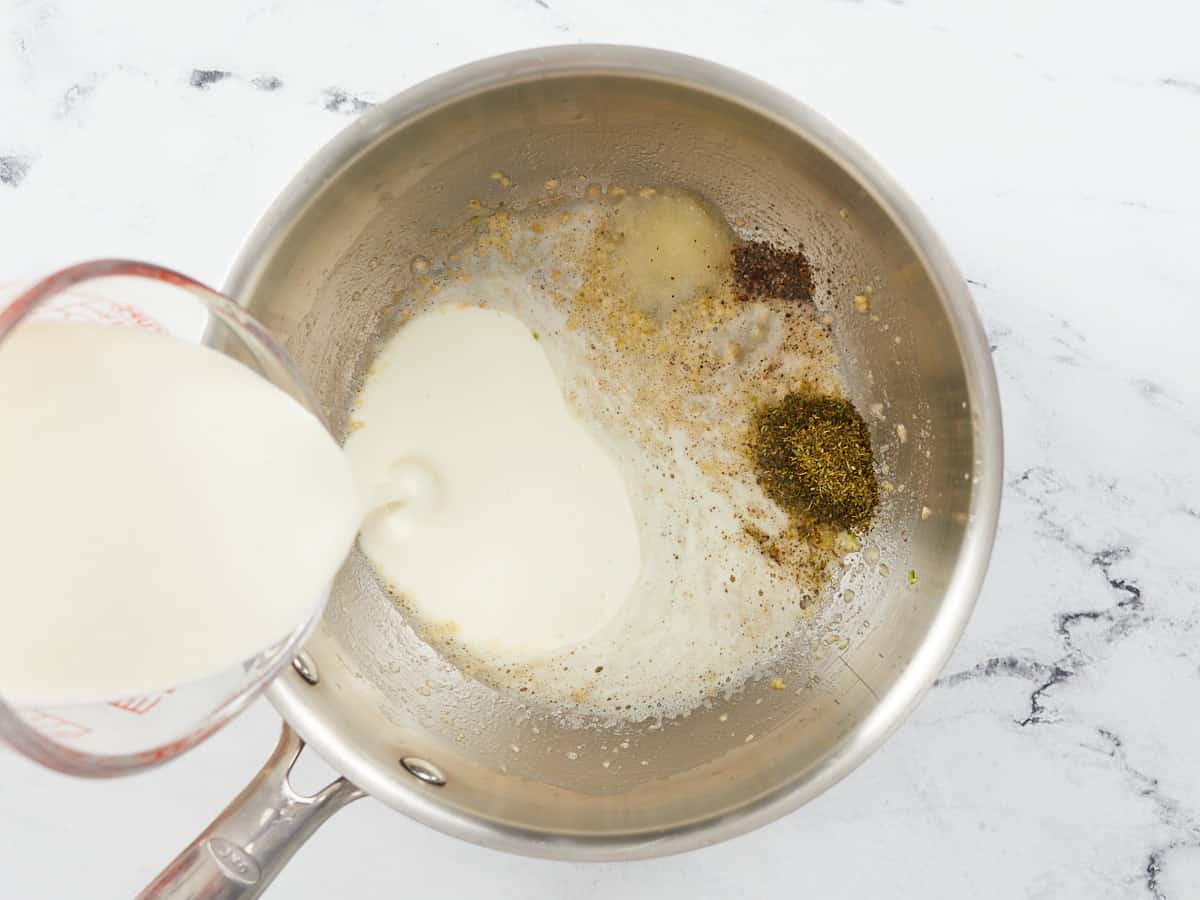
x=242 y=851
x=235 y=862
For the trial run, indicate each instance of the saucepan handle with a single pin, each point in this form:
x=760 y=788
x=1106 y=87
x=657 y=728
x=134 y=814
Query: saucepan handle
x=246 y=846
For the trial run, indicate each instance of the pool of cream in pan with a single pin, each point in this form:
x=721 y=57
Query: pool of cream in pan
x=658 y=364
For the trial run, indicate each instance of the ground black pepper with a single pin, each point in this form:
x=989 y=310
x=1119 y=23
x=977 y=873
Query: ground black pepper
x=761 y=269
x=813 y=457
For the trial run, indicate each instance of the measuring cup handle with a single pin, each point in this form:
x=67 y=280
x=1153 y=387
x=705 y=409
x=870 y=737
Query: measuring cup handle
x=246 y=846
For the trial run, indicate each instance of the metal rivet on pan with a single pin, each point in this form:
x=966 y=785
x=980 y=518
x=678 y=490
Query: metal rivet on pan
x=426 y=771
x=305 y=667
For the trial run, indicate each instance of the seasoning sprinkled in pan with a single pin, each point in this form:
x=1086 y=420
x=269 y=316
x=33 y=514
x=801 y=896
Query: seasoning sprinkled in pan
x=761 y=269
x=813 y=457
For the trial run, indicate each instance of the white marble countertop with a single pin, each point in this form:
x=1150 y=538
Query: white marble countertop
x=1055 y=147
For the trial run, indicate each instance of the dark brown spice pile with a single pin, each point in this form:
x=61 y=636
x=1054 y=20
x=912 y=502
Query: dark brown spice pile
x=813 y=458
x=761 y=269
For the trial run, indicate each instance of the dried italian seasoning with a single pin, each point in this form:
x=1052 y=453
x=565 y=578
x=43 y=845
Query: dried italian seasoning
x=813 y=457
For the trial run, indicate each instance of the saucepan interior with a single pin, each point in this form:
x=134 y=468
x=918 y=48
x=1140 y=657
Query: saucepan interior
x=334 y=255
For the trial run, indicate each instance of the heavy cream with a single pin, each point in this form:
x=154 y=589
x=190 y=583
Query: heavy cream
x=165 y=512
x=501 y=523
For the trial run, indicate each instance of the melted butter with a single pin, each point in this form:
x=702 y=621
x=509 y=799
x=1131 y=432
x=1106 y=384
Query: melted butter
x=669 y=248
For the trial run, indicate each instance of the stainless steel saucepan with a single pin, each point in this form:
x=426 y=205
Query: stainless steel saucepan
x=401 y=724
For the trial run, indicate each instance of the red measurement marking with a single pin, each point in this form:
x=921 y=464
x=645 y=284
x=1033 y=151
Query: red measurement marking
x=55 y=727
x=104 y=312
x=139 y=706
x=168 y=750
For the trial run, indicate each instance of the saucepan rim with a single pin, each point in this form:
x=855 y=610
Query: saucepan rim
x=421 y=801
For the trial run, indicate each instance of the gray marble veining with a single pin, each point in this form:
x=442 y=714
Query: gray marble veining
x=1053 y=145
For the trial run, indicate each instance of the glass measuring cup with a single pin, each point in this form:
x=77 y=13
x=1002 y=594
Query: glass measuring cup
x=126 y=734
